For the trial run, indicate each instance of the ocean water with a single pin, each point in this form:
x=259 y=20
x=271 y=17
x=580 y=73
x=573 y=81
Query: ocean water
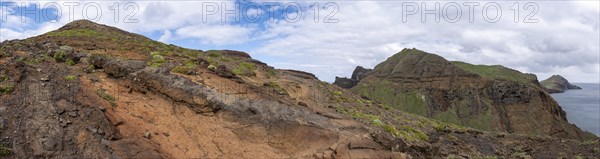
x=582 y=106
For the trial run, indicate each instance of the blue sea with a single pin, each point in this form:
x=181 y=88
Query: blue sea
x=582 y=106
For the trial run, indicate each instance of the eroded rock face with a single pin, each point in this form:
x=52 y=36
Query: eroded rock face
x=43 y=119
x=345 y=82
x=557 y=84
x=429 y=85
x=300 y=74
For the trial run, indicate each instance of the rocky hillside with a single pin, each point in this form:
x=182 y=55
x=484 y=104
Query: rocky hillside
x=557 y=84
x=93 y=91
x=491 y=98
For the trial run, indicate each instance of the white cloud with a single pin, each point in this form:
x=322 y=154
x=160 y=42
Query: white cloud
x=166 y=37
x=369 y=32
x=217 y=34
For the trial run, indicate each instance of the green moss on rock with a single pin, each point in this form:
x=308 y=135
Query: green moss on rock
x=496 y=72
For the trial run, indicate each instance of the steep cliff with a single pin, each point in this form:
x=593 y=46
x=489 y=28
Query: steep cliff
x=557 y=84
x=492 y=98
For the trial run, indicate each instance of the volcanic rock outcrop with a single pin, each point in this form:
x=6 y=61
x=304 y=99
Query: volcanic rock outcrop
x=358 y=74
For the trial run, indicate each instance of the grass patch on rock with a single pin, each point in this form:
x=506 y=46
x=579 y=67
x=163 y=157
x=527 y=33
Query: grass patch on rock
x=496 y=72
x=186 y=69
x=384 y=92
x=244 y=69
x=74 y=33
x=5 y=151
x=6 y=88
x=4 y=78
x=70 y=78
x=277 y=88
x=102 y=94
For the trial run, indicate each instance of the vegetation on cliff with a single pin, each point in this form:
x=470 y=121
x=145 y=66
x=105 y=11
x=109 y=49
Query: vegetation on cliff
x=496 y=72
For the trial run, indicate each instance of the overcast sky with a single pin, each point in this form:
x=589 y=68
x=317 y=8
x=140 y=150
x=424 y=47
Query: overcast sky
x=540 y=37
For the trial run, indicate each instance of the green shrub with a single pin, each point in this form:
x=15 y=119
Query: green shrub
x=377 y=122
x=96 y=58
x=156 y=60
x=60 y=56
x=413 y=134
x=337 y=93
x=244 y=68
x=90 y=68
x=447 y=127
x=212 y=61
x=360 y=115
x=278 y=89
x=190 y=63
x=5 y=151
x=390 y=129
x=182 y=70
x=3 y=53
x=4 y=78
x=212 y=67
x=70 y=62
x=20 y=59
x=102 y=94
x=6 y=88
x=70 y=78
x=271 y=72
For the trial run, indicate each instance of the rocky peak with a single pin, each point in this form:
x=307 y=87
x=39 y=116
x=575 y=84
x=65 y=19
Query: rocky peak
x=557 y=84
x=85 y=27
x=82 y=23
x=417 y=64
x=358 y=74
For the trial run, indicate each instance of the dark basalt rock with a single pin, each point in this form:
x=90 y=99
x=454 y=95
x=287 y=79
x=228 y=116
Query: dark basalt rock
x=300 y=74
x=358 y=74
x=345 y=82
